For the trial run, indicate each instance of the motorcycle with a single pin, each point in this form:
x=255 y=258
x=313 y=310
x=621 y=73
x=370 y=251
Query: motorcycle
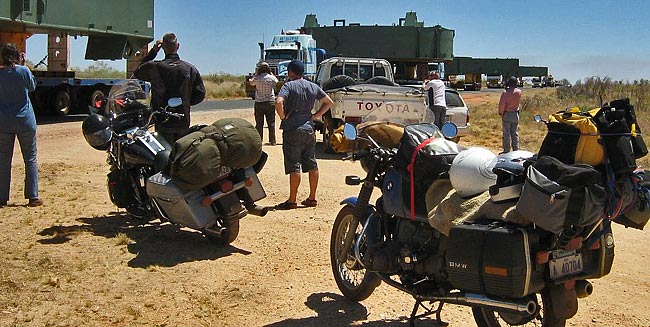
x=139 y=159
x=510 y=275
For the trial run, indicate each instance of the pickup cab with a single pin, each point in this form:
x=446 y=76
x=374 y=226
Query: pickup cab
x=359 y=86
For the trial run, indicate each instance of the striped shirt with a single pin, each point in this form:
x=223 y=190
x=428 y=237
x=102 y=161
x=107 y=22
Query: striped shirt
x=264 y=87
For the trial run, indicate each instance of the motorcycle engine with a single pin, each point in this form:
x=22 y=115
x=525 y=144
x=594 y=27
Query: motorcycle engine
x=415 y=253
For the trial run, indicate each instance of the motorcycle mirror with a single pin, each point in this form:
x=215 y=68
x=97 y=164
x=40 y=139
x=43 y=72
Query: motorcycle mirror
x=449 y=130
x=174 y=102
x=350 y=132
x=538 y=119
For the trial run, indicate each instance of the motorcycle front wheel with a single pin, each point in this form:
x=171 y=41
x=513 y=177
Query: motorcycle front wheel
x=543 y=317
x=353 y=280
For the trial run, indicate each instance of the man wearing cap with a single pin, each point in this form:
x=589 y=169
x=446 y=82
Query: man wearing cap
x=509 y=112
x=264 y=82
x=294 y=104
x=171 y=77
x=436 y=97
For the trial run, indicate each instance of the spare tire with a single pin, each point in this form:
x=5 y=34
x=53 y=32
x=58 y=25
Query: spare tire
x=380 y=80
x=338 y=82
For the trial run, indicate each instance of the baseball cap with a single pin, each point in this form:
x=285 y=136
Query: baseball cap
x=297 y=67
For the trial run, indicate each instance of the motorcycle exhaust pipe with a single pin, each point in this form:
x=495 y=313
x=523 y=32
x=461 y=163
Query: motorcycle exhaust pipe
x=257 y=210
x=584 y=288
x=476 y=300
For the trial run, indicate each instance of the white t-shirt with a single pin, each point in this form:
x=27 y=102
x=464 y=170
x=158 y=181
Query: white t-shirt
x=438 y=87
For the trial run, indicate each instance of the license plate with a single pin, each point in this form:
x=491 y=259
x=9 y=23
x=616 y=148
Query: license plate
x=565 y=265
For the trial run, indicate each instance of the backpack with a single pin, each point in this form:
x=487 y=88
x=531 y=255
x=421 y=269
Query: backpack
x=573 y=138
x=423 y=156
x=621 y=135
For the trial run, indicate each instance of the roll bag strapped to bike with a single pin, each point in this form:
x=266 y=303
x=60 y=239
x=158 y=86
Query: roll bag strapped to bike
x=423 y=156
x=198 y=158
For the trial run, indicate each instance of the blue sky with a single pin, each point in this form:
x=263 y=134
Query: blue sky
x=574 y=38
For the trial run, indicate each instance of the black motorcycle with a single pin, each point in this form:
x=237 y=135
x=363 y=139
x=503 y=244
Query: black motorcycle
x=139 y=181
x=510 y=275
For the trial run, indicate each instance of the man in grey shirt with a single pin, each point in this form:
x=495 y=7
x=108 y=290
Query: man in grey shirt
x=293 y=105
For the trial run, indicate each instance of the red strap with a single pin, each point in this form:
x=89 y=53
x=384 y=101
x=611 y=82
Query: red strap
x=410 y=169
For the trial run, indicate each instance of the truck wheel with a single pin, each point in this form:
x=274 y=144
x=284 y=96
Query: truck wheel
x=97 y=95
x=329 y=125
x=60 y=103
x=338 y=82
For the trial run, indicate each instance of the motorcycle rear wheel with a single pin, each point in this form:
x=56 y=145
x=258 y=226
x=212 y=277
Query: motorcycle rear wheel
x=229 y=234
x=355 y=282
x=544 y=316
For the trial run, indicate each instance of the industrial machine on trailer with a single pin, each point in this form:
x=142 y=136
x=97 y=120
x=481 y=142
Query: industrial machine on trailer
x=117 y=29
x=409 y=46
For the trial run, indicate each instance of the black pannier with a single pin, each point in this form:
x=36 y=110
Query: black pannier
x=494 y=258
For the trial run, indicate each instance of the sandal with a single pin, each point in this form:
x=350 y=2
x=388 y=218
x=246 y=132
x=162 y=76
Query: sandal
x=286 y=205
x=309 y=203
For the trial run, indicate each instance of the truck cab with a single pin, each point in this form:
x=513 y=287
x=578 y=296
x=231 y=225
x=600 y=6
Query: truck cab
x=291 y=45
x=494 y=81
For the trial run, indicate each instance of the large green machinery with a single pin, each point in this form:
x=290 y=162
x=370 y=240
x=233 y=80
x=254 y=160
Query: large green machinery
x=116 y=29
x=409 y=45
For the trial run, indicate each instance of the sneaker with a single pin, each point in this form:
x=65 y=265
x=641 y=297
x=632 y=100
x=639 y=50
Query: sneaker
x=286 y=205
x=35 y=202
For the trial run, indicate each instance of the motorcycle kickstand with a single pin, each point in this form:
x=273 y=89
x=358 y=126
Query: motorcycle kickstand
x=428 y=312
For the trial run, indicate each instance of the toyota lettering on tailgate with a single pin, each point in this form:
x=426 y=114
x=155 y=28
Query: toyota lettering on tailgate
x=388 y=107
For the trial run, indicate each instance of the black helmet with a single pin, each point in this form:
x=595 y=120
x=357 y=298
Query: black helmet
x=97 y=131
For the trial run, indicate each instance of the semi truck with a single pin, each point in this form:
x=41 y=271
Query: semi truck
x=284 y=48
x=118 y=29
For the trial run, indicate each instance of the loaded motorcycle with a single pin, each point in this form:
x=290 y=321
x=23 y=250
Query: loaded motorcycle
x=509 y=274
x=139 y=161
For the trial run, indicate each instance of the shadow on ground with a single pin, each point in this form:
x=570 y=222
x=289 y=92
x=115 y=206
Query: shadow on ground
x=335 y=310
x=320 y=153
x=153 y=243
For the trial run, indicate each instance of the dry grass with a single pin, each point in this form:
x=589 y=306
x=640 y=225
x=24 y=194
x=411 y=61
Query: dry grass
x=486 y=123
x=225 y=90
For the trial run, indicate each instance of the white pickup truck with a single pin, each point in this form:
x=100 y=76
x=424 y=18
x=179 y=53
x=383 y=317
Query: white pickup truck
x=362 y=86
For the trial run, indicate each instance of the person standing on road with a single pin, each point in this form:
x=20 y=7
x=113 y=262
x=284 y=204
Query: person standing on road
x=509 y=112
x=171 y=77
x=264 y=82
x=17 y=120
x=436 y=95
x=294 y=105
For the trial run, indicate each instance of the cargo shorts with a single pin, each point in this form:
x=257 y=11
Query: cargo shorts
x=299 y=149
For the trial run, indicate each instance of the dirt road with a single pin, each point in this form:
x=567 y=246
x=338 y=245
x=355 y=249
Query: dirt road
x=78 y=261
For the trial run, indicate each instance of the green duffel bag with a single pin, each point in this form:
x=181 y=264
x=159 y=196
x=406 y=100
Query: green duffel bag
x=239 y=143
x=195 y=159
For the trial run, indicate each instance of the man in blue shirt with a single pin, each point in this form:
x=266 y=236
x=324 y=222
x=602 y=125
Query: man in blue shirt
x=294 y=104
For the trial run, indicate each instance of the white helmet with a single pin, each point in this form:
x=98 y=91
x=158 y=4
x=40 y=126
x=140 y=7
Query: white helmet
x=510 y=172
x=471 y=171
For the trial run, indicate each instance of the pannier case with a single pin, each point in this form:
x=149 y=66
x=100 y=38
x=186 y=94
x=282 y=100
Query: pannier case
x=184 y=206
x=494 y=258
x=598 y=260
